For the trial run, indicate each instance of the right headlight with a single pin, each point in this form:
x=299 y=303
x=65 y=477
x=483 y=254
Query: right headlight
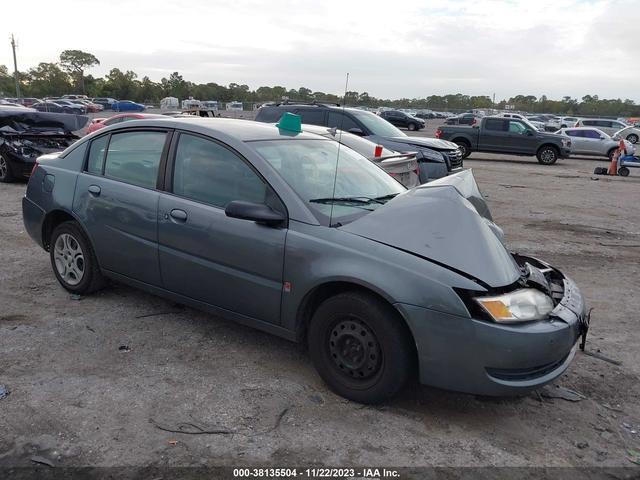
x=522 y=305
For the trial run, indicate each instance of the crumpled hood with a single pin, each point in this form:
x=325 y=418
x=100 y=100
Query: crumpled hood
x=433 y=143
x=34 y=122
x=438 y=224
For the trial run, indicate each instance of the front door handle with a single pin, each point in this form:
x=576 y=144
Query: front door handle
x=94 y=190
x=178 y=215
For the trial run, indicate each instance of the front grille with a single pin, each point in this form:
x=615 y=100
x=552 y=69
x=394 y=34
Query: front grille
x=455 y=158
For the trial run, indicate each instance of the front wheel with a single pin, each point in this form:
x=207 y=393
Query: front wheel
x=547 y=155
x=6 y=176
x=623 y=171
x=360 y=347
x=633 y=138
x=73 y=261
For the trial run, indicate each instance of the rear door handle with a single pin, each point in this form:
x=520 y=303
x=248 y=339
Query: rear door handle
x=178 y=215
x=94 y=190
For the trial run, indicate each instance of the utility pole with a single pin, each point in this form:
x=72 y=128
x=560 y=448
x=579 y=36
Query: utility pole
x=15 y=67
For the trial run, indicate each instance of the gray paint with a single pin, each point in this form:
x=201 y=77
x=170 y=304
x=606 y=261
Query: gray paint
x=413 y=252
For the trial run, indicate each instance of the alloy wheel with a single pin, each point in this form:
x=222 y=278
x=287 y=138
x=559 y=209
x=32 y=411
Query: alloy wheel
x=69 y=259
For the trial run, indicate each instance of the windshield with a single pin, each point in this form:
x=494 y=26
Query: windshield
x=309 y=167
x=377 y=126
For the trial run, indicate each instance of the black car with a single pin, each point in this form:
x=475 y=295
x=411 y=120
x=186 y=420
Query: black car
x=53 y=107
x=402 y=120
x=25 y=135
x=464 y=119
x=436 y=158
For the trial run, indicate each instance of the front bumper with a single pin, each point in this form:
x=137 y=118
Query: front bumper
x=481 y=357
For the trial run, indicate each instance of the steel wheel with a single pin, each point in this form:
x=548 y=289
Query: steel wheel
x=354 y=349
x=69 y=259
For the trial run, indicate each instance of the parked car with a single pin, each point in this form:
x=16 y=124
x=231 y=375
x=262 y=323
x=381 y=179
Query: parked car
x=90 y=106
x=75 y=97
x=99 y=123
x=426 y=114
x=55 y=107
x=566 y=122
x=265 y=227
x=590 y=141
x=507 y=135
x=26 y=101
x=127 y=106
x=629 y=133
x=543 y=123
x=436 y=158
x=402 y=119
x=608 y=126
x=106 y=102
x=25 y=134
x=464 y=119
x=73 y=107
x=401 y=166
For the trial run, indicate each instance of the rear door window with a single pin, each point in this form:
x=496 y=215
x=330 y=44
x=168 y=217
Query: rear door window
x=495 y=125
x=573 y=133
x=312 y=116
x=96 y=155
x=590 y=134
x=134 y=157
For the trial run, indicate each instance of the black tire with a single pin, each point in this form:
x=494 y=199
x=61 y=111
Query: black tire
x=91 y=279
x=611 y=153
x=547 y=155
x=465 y=148
x=361 y=347
x=6 y=175
x=623 y=171
x=633 y=138
x=412 y=127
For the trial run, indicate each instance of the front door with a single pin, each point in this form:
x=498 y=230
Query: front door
x=227 y=262
x=116 y=200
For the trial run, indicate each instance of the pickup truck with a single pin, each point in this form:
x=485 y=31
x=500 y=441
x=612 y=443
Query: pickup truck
x=511 y=136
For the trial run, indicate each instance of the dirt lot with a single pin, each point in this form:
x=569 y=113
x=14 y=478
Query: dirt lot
x=78 y=397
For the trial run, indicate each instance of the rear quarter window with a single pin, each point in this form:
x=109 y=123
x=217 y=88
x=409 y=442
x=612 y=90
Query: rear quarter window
x=269 y=114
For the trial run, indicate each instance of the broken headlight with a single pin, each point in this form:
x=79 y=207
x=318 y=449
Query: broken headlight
x=522 y=305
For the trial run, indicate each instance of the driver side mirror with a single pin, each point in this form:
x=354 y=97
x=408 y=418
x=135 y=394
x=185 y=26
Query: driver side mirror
x=356 y=131
x=257 y=212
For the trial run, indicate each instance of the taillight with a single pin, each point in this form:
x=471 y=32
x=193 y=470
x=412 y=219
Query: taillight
x=378 y=151
x=33 y=170
x=438 y=133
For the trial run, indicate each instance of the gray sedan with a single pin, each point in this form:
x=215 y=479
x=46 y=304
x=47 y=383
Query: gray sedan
x=590 y=141
x=288 y=233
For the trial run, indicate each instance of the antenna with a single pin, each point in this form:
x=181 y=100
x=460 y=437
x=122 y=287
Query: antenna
x=335 y=176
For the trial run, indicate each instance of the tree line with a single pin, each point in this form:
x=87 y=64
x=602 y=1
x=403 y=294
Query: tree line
x=68 y=75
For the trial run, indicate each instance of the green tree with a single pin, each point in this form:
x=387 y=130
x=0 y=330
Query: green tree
x=75 y=62
x=47 y=79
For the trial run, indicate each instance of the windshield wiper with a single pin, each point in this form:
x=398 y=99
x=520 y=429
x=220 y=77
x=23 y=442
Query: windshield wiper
x=359 y=200
x=387 y=197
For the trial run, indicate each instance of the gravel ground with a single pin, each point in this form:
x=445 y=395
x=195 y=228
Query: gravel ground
x=78 y=397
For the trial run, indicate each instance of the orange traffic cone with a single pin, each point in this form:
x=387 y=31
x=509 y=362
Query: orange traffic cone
x=613 y=167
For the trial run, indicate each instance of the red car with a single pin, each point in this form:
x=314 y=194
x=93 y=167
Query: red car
x=98 y=123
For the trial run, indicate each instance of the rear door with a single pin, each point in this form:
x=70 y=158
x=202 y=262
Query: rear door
x=579 y=144
x=204 y=255
x=493 y=134
x=313 y=116
x=116 y=199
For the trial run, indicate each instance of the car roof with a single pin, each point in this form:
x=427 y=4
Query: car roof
x=243 y=130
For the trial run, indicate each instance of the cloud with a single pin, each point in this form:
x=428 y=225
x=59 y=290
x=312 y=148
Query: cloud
x=401 y=49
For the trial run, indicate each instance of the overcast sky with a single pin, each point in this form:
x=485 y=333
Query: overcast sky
x=391 y=49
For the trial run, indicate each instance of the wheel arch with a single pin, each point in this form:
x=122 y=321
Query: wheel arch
x=552 y=145
x=54 y=218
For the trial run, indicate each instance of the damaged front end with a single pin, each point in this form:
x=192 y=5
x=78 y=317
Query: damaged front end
x=24 y=136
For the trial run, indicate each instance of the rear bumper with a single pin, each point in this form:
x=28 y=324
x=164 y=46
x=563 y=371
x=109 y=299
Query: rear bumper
x=486 y=358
